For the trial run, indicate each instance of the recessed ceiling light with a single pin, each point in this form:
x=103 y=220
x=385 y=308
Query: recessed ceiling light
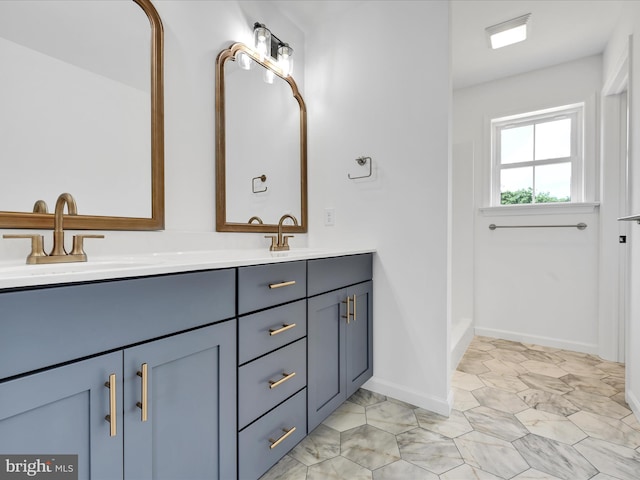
x=509 y=32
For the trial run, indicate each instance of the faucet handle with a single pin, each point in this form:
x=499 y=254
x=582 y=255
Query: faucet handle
x=78 y=244
x=274 y=241
x=285 y=240
x=37 y=245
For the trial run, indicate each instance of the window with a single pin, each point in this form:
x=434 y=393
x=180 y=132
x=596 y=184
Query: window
x=537 y=157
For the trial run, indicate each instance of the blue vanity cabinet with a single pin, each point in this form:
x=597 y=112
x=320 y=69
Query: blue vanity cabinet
x=340 y=342
x=177 y=330
x=62 y=411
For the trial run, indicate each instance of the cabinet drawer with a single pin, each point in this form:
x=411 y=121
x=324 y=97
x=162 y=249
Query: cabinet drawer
x=326 y=274
x=255 y=451
x=257 y=393
x=265 y=331
x=47 y=326
x=263 y=286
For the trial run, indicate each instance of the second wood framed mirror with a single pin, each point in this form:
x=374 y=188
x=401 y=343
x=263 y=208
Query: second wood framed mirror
x=261 y=145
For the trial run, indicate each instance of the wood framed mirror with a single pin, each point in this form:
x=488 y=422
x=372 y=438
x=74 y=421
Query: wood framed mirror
x=261 y=145
x=82 y=112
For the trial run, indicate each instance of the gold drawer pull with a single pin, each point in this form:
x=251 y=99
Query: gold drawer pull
x=285 y=377
x=275 y=443
x=348 y=315
x=285 y=327
x=282 y=284
x=355 y=314
x=144 y=403
x=111 y=418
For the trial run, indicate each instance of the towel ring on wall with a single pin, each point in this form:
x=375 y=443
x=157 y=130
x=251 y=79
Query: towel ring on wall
x=262 y=178
x=362 y=161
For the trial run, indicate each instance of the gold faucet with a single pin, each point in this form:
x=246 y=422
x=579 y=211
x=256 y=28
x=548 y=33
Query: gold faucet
x=281 y=242
x=58 y=253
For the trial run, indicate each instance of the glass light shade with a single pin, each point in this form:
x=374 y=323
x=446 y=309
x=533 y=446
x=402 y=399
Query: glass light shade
x=509 y=32
x=509 y=37
x=285 y=59
x=262 y=40
x=244 y=61
x=269 y=76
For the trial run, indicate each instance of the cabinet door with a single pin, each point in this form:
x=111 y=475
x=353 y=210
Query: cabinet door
x=190 y=430
x=326 y=355
x=62 y=412
x=359 y=337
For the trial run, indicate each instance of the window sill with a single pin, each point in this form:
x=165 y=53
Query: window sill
x=540 y=209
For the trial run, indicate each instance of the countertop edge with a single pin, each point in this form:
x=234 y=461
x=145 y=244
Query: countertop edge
x=160 y=263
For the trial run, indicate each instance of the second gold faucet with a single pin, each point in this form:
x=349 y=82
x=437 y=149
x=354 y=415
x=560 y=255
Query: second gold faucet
x=281 y=242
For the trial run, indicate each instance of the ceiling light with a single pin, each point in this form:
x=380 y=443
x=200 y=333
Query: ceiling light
x=509 y=32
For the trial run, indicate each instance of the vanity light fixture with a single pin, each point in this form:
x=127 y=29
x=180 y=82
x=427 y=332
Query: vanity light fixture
x=262 y=39
x=285 y=59
x=269 y=46
x=509 y=32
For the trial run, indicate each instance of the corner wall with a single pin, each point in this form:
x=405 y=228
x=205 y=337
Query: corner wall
x=371 y=93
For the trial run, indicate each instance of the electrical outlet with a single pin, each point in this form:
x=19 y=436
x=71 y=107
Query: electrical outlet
x=329 y=217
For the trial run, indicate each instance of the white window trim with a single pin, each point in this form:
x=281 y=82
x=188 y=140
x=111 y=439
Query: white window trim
x=540 y=209
x=578 y=195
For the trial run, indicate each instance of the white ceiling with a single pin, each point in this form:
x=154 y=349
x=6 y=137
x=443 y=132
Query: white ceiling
x=560 y=31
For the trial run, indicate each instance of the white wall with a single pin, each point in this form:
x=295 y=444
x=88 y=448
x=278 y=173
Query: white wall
x=630 y=26
x=533 y=285
x=371 y=95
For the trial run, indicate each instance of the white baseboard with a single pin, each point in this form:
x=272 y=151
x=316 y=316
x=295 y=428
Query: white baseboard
x=440 y=406
x=633 y=403
x=461 y=337
x=537 y=340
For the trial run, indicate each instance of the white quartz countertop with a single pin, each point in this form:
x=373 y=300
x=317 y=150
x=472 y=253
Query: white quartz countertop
x=14 y=274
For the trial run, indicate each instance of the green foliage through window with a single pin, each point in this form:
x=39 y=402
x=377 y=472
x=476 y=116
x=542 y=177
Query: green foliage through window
x=525 y=195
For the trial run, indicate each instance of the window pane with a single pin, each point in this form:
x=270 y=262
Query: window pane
x=553 y=139
x=516 y=144
x=516 y=185
x=553 y=183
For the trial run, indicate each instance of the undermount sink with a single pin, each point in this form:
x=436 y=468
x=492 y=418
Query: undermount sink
x=24 y=270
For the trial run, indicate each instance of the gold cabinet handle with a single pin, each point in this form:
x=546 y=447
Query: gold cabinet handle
x=355 y=314
x=275 y=443
x=282 y=284
x=285 y=327
x=111 y=418
x=144 y=403
x=285 y=377
x=348 y=315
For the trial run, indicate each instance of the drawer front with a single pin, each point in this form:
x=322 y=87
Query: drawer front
x=265 y=331
x=264 y=286
x=255 y=454
x=257 y=393
x=326 y=274
x=47 y=326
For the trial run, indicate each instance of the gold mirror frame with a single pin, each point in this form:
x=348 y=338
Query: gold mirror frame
x=94 y=222
x=222 y=225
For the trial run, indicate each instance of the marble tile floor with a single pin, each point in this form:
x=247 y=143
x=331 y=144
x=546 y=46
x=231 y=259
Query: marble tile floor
x=520 y=412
